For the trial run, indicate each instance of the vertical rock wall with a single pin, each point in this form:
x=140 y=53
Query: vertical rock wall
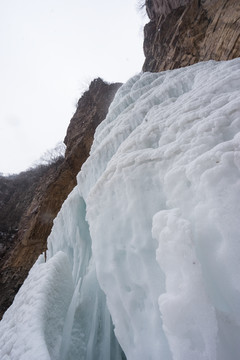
x=198 y=30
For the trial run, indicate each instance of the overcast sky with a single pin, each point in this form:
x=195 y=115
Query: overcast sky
x=50 y=51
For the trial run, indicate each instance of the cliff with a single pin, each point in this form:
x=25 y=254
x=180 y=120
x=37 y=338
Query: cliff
x=190 y=32
x=42 y=199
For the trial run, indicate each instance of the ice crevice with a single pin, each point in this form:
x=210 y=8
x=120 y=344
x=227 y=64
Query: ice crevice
x=144 y=256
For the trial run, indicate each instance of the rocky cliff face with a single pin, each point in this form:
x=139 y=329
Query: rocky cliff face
x=54 y=185
x=189 y=32
x=16 y=195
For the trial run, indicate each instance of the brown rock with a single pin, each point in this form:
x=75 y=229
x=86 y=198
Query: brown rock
x=198 y=31
x=163 y=7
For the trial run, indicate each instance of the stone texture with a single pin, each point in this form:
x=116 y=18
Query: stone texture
x=155 y=8
x=198 y=31
x=51 y=191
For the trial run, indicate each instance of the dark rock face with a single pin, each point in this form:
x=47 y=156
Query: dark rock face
x=156 y=8
x=16 y=194
x=35 y=219
x=199 y=30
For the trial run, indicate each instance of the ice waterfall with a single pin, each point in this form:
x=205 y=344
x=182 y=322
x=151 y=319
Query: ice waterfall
x=144 y=256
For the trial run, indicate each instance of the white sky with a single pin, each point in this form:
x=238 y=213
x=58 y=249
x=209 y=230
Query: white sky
x=50 y=50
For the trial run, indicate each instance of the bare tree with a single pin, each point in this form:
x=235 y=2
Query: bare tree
x=52 y=155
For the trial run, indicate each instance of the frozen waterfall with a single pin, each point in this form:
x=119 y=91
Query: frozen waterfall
x=144 y=256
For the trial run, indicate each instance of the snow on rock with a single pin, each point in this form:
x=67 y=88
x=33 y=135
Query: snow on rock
x=150 y=235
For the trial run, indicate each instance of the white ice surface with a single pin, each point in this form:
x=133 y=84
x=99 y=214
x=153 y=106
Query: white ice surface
x=150 y=234
x=32 y=327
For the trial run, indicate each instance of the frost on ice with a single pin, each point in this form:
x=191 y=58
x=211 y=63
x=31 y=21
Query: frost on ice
x=144 y=257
